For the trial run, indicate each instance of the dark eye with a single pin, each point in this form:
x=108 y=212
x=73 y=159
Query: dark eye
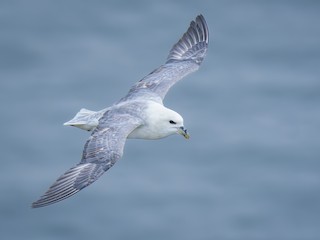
x=172 y=122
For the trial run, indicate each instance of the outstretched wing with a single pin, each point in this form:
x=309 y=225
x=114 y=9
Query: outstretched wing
x=184 y=58
x=101 y=151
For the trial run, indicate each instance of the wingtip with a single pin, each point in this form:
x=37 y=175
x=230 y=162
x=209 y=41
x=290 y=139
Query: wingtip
x=193 y=44
x=46 y=201
x=202 y=22
x=68 y=184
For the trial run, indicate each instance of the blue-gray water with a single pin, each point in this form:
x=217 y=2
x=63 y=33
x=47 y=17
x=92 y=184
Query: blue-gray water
x=251 y=169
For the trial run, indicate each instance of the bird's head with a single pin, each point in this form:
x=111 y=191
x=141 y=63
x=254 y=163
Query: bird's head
x=171 y=122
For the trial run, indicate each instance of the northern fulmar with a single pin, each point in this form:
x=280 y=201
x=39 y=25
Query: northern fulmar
x=140 y=114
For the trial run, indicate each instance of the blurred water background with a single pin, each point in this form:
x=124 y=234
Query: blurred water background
x=251 y=169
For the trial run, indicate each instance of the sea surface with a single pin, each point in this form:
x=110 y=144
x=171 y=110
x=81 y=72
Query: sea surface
x=251 y=169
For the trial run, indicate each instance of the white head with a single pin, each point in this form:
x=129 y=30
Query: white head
x=171 y=122
x=162 y=122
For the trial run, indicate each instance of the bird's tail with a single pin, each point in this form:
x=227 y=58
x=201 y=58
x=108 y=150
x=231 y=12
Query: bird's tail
x=85 y=119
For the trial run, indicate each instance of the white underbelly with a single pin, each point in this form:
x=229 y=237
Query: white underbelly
x=145 y=132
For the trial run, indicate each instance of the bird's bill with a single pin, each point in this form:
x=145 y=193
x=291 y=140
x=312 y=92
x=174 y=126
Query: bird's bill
x=182 y=131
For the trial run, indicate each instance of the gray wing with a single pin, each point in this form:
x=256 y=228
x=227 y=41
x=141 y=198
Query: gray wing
x=101 y=151
x=184 y=58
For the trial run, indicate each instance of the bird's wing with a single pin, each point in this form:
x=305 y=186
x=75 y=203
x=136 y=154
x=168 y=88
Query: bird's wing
x=184 y=58
x=101 y=151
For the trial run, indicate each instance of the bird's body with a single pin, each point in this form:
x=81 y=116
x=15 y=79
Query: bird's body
x=140 y=114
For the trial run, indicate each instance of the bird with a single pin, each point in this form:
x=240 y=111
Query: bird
x=139 y=115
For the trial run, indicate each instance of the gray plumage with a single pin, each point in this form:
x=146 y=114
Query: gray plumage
x=140 y=114
x=184 y=58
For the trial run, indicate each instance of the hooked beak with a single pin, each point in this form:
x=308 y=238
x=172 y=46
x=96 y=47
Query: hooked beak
x=182 y=131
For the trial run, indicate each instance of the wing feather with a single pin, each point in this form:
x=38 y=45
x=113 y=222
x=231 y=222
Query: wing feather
x=184 y=58
x=101 y=151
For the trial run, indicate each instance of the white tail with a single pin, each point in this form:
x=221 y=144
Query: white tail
x=85 y=119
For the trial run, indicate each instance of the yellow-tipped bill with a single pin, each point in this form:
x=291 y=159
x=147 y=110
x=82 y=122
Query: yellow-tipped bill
x=182 y=131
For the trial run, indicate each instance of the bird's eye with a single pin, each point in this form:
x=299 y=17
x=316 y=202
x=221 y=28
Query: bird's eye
x=172 y=122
